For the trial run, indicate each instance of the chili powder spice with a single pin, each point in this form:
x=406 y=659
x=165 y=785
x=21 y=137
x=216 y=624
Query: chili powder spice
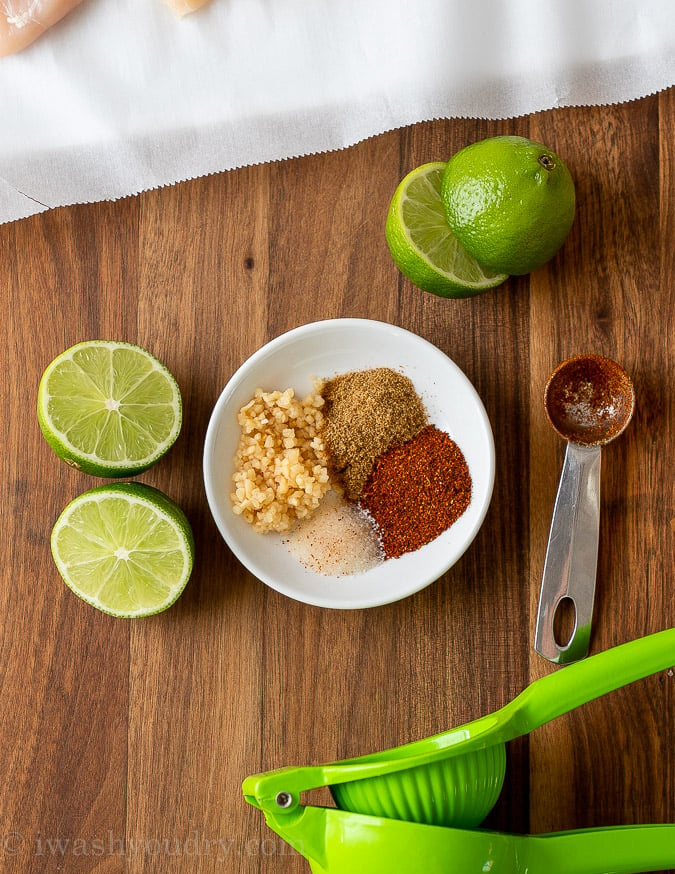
x=417 y=490
x=588 y=399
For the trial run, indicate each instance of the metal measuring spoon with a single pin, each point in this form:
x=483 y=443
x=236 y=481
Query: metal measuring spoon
x=589 y=400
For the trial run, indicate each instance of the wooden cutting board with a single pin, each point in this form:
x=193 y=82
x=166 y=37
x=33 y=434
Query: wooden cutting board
x=123 y=744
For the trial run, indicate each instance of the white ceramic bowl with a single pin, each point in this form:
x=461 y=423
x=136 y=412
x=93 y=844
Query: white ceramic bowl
x=326 y=349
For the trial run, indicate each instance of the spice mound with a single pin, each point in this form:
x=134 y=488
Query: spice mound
x=417 y=490
x=339 y=539
x=367 y=412
x=353 y=474
x=281 y=468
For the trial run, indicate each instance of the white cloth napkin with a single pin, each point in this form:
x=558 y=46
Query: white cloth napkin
x=122 y=96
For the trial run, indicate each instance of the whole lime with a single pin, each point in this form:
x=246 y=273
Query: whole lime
x=509 y=201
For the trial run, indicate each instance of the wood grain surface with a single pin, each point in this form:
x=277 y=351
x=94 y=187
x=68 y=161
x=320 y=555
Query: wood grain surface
x=123 y=744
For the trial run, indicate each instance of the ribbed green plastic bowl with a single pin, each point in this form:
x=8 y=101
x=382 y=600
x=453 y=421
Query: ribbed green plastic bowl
x=458 y=791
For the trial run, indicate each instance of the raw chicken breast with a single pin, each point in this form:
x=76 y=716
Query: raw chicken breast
x=183 y=7
x=22 y=21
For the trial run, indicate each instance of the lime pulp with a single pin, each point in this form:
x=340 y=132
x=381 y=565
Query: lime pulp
x=125 y=548
x=109 y=408
x=422 y=244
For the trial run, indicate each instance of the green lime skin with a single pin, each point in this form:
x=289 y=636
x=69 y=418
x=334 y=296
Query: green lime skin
x=509 y=201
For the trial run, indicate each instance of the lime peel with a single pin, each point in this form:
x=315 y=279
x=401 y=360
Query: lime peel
x=510 y=201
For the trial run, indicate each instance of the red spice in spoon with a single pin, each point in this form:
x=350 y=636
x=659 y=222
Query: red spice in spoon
x=589 y=399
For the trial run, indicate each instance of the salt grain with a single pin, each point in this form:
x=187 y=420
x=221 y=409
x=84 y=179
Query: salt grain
x=338 y=539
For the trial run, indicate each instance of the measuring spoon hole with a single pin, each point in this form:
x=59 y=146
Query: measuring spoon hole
x=564 y=621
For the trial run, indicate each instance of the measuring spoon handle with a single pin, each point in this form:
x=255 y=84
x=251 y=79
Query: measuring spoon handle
x=621 y=850
x=571 y=555
x=576 y=684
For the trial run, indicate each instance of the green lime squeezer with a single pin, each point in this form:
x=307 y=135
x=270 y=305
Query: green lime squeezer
x=417 y=807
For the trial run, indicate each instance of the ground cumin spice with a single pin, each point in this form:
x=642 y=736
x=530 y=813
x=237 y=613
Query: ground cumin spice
x=365 y=413
x=417 y=490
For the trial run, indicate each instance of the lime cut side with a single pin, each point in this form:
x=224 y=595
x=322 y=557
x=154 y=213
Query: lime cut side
x=125 y=548
x=422 y=244
x=109 y=408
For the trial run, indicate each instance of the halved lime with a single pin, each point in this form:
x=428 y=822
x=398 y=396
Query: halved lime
x=109 y=408
x=125 y=548
x=422 y=244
